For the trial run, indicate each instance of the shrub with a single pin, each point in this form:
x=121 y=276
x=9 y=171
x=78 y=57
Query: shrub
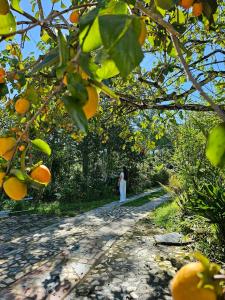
x=207 y=200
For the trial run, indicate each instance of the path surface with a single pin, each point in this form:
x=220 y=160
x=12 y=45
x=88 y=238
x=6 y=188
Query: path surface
x=133 y=268
x=44 y=258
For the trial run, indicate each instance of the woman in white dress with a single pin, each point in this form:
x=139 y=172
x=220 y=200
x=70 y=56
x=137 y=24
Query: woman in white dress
x=123 y=184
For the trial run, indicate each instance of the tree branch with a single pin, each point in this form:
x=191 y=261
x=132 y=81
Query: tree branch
x=40 y=9
x=216 y=108
x=157 y=18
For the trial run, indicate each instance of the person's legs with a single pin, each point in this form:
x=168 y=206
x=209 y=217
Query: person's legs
x=122 y=191
x=125 y=191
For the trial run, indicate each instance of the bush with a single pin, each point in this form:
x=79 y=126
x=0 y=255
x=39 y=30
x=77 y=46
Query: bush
x=207 y=200
x=162 y=176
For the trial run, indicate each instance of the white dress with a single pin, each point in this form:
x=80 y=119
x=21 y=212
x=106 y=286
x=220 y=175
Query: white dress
x=123 y=186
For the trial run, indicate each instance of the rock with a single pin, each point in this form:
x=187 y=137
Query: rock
x=172 y=238
x=133 y=295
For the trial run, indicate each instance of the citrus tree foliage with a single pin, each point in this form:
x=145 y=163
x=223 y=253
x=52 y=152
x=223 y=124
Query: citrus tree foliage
x=91 y=53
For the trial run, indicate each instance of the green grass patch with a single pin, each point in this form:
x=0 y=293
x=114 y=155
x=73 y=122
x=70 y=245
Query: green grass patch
x=59 y=208
x=144 y=200
x=167 y=216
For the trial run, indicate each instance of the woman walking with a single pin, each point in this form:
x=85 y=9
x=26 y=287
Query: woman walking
x=123 y=184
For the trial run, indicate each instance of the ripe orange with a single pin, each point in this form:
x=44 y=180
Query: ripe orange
x=15 y=188
x=91 y=106
x=6 y=147
x=2 y=75
x=2 y=175
x=8 y=155
x=74 y=17
x=186 y=3
x=41 y=174
x=22 y=106
x=22 y=147
x=65 y=81
x=143 y=33
x=83 y=74
x=184 y=284
x=197 y=9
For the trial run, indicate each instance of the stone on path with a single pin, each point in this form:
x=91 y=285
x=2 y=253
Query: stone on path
x=173 y=238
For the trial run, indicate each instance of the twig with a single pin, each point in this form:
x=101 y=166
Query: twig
x=29 y=123
x=44 y=22
x=198 y=87
x=40 y=9
x=157 y=18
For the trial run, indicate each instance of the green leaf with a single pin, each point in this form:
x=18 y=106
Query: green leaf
x=107 y=70
x=76 y=112
x=165 y=4
x=3 y=89
x=18 y=173
x=120 y=38
x=63 y=49
x=42 y=145
x=16 y=5
x=106 y=90
x=89 y=18
x=209 y=9
x=77 y=88
x=51 y=58
x=45 y=36
x=64 y=54
x=7 y=24
x=90 y=38
x=215 y=150
x=115 y=7
x=31 y=93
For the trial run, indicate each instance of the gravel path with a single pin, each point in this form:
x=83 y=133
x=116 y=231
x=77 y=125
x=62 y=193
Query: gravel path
x=44 y=258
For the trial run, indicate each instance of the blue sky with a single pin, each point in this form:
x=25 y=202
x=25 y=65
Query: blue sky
x=34 y=35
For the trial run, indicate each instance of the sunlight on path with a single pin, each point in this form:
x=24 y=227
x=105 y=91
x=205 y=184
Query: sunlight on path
x=51 y=260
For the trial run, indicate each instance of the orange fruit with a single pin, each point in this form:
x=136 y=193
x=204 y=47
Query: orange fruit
x=83 y=74
x=7 y=145
x=8 y=155
x=4 y=7
x=74 y=17
x=91 y=106
x=186 y=3
x=2 y=175
x=15 y=189
x=184 y=284
x=16 y=76
x=21 y=148
x=143 y=33
x=22 y=106
x=41 y=174
x=65 y=81
x=197 y=9
x=2 y=75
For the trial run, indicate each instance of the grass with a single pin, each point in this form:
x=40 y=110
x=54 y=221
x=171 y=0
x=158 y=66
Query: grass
x=59 y=208
x=144 y=200
x=167 y=215
x=73 y=208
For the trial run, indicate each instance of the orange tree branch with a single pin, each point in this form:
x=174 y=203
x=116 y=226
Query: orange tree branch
x=198 y=87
